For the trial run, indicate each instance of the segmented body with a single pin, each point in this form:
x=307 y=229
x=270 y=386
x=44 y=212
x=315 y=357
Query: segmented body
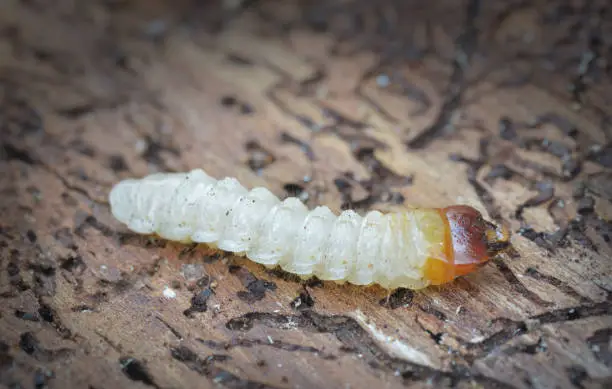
x=410 y=249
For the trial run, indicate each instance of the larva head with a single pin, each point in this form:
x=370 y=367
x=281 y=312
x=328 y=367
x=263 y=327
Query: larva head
x=471 y=243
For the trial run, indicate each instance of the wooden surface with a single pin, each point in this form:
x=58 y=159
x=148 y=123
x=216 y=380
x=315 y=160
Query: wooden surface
x=501 y=105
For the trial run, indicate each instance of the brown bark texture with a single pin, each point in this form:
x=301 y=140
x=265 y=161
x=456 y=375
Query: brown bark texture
x=503 y=105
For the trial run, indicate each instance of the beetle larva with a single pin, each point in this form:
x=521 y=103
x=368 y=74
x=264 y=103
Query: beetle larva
x=411 y=249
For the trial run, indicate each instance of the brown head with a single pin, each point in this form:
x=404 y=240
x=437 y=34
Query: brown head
x=471 y=243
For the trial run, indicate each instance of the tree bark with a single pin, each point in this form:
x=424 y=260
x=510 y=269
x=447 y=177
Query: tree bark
x=371 y=105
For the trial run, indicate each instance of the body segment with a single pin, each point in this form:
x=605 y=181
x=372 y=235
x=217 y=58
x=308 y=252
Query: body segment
x=413 y=249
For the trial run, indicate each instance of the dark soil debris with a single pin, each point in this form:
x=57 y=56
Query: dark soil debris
x=303 y=301
x=117 y=163
x=28 y=343
x=600 y=345
x=600 y=184
x=585 y=205
x=259 y=157
x=562 y=123
x=205 y=366
x=577 y=374
x=601 y=155
x=304 y=146
x=233 y=102
x=255 y=288
x=28 y=316
x=507 y=129
x=199 y=302
x=239 y=60
x=400 y=297
x=6 y=360
x=65 y=237
x=546 y=191
x=42 y=377
x=295 y=190
x=498 y=171
x=136 y=371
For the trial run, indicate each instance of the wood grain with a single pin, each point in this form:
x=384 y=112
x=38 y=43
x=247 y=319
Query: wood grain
x=500 y=105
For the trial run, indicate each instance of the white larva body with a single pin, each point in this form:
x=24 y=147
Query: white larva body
x=194 y=207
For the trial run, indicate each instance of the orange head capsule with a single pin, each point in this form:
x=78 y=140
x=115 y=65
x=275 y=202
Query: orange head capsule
x=471 y=242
